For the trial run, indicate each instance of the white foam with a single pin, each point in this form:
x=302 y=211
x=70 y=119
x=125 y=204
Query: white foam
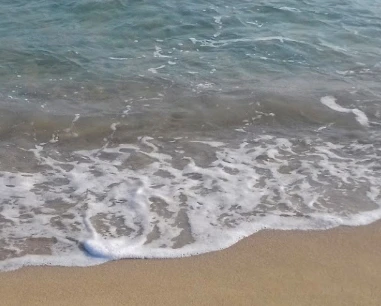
x=290 y=9
x=330 y=101
x=154 y=70
x=114 y=125
x=119 y=58
x=158 y=51
x=332 y=46
x=135 y=201
x=223 y=42
x=280 y=38
x=205 y=85
x=255 y=23
x=69 y=130
x=217 y=19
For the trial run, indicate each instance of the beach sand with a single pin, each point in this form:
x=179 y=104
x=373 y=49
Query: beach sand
x=341 y=266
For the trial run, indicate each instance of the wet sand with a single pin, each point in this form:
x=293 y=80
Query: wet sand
x=335 y=267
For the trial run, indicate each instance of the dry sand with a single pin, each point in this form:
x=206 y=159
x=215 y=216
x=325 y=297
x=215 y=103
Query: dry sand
x=335 y=267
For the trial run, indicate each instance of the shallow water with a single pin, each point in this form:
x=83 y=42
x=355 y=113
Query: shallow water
x=139 y=129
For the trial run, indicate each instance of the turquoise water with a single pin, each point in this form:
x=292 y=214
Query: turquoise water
x=222 y=43
x=166 y=129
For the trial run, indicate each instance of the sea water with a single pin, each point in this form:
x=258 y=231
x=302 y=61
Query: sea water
x=161 y=129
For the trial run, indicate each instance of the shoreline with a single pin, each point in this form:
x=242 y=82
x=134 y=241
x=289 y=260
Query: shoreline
x=340 y=266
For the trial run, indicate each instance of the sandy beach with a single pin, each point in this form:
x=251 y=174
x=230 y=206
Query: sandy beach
x=341 y=266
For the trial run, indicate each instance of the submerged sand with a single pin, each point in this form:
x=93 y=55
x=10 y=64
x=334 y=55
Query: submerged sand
x=341 y=266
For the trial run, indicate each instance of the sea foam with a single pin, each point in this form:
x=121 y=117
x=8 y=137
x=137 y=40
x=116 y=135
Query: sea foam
x=331 y=103
x=172 y=198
